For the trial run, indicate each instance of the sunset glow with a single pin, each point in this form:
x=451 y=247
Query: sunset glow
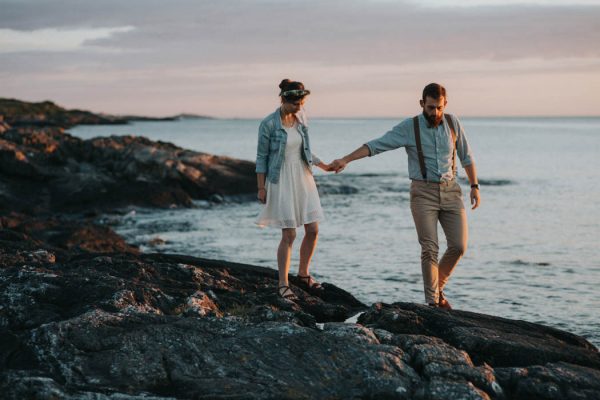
x=365 y=59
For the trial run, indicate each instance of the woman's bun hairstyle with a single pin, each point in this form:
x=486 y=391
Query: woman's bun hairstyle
x=284 y=84
x=297 y=88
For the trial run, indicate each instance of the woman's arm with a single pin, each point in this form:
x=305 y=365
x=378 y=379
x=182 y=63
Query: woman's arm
x=323 y=166
x=262 y=190
x=262 y=149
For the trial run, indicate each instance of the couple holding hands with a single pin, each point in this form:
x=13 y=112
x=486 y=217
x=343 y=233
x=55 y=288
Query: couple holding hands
x=432 y=140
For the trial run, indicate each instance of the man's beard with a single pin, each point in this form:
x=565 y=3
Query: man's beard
x=433 y=121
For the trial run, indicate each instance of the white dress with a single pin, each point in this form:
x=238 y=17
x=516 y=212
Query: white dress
x=294 y=200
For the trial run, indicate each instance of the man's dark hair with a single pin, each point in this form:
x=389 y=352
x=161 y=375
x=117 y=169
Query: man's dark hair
x=435 y=91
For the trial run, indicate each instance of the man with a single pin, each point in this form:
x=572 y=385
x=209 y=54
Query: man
x=432 y=140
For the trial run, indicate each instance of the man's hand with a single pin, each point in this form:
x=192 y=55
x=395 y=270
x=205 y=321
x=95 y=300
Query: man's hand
x=475 y=198
x=262 y=195
x=338 y=165
x=326 y=167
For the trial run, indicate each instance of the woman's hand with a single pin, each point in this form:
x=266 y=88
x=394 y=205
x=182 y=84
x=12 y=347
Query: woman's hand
x=325 y=167
x=262 y=195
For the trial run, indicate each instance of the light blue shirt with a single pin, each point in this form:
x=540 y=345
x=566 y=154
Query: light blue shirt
x=436 y=143
x=272 y=139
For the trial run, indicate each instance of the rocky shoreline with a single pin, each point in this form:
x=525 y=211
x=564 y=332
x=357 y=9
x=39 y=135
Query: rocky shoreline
x=18 y=113
x=84 y=315
x=48 y=170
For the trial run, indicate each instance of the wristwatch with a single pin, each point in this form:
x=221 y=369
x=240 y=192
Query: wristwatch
x=475 y=186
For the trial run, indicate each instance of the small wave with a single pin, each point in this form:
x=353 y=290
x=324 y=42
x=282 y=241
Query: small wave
x=522 y=262
x=371 y=175
x=491 y=182
x=396 y=189
x=345 y=175
x=236 y=198
x=337 y=189
x=354 y=183
x=397 y=279
x=496 y=182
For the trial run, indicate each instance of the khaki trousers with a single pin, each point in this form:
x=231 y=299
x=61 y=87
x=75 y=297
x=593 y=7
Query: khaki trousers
x=431 y=202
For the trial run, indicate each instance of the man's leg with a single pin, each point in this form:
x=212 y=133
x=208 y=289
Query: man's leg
x=453 y=219
x=424 y=205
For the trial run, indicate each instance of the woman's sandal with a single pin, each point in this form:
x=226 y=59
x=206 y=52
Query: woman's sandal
x=286 y=293
x=310 y=283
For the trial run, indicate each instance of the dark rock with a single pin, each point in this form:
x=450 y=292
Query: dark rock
x=496 y=341
x=551 y=381
x=171 y=326
x=210 y=358
x=40 y=240
x=241 y=286
x=3 y=125
x=216 y=198
x=49 y=170
x=43 y=114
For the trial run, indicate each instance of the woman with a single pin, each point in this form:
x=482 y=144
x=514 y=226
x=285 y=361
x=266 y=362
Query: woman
x=286 y=185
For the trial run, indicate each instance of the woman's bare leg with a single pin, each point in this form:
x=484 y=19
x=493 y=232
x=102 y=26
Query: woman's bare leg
x=307 y=248
x=284 y=253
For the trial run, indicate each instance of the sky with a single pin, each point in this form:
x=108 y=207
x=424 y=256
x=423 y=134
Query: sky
x=367 y=58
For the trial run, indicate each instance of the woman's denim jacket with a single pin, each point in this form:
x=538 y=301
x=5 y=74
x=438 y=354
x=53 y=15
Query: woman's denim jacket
x=272 y=139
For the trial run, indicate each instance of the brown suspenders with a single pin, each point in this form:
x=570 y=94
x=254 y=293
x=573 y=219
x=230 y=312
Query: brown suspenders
x=454 y=140
x=420 y=148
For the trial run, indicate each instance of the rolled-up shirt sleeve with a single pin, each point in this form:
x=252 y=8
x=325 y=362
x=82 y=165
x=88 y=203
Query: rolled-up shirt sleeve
x=463 y=149
x=262 y=149
x=392 y=139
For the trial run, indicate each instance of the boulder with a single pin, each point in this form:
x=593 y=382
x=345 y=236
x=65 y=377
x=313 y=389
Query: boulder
x=499 y=342
x=49 y=170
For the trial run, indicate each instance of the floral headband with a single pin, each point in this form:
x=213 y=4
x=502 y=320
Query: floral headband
x=297 y=92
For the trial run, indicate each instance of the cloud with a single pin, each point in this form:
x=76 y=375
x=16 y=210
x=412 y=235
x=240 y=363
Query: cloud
x=353 y=51
x=351 y=31
x=488 y=3
x=52 y=39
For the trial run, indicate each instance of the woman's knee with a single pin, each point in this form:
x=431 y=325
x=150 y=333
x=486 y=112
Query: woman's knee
x=288 y=236
x=311 y=230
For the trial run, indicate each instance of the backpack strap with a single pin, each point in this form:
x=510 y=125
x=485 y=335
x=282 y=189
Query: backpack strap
x=419 y=147
x=454 y=140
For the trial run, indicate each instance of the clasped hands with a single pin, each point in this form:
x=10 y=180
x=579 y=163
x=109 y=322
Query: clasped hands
x=336 y=166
